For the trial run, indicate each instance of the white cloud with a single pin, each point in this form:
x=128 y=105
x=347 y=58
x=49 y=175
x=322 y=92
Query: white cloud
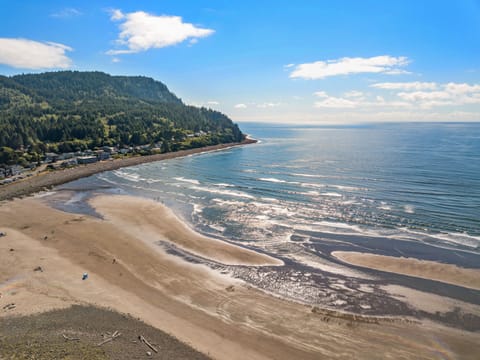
x=353 y=94
x=29 y=54
x=456 y=88
x=66 y=13
x=451 y=94
x=352 y=116
x=141 y=31
x=321 y=94
x=397 y=72
x=240 y=106
x=345 y=66
x=212 y=102
x=424 y=95
x=414 y=85
x=268 y=105
x=357 y=101
x=116 y=14
x=332 y=102
x=116 y=60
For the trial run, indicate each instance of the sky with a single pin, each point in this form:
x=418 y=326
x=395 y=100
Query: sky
x=303 y=61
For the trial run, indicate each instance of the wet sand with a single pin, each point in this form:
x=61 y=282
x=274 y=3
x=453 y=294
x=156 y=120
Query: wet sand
x=213 y=312
x=447 y=273
x=153 y=222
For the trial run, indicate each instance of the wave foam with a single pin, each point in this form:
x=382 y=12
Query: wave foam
x=279 y=181
x=224 y=192
x=331 y=194
x=409 y=209
x=191 y=181
x=127 y=176
x=224 y=185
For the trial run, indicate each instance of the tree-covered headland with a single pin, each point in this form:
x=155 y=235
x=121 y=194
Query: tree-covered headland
x=71 y=111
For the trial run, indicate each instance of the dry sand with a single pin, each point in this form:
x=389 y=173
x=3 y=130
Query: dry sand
x=447 y=273
x=189 y=301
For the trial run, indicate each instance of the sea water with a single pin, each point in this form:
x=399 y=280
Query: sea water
x=415 y=180
x=409 y=190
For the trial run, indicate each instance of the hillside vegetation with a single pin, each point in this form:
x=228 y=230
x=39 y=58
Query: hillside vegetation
x=71 y=111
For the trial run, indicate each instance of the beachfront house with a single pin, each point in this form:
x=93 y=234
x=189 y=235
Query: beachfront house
x=66 y=156
x=87 y=159
x=51 y=157
x=109 y=149
x=70 y=162
x=102 y=155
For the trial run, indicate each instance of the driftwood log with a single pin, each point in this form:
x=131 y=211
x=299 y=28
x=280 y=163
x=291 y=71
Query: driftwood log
x=142 y=339
x=67 y=338
x=113 y=337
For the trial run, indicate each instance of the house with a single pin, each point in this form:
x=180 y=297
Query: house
x=102 y=155
x=54 y=166
x=87 y=159
x=66 y=156
x=16 y=170
x=51 y=157
x=69 y=162
x=109 y=149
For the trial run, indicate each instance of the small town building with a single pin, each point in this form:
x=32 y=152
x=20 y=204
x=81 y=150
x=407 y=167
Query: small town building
x=87 y=159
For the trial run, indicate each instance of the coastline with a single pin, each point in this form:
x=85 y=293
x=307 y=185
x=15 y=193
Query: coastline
x=432 y=270
x=46 y=180
x=133 y=272
x=210 y=310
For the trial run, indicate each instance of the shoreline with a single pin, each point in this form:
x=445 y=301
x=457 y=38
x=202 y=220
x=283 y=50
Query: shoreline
x=210 y=310
x=46 y=180
x=431 y=270
x=115 y=209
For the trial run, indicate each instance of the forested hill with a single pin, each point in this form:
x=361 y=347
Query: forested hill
x=93 y=86
x=73 y=111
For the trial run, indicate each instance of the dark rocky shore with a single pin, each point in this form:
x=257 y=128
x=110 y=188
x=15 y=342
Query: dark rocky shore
x=76 y=332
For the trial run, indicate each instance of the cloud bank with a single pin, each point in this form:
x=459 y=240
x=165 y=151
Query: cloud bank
x=141 y=31
x=345 y=66
x=409 y=95
x=414 y=85
x=29 y=54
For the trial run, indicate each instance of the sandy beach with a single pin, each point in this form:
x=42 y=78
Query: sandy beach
x=216 y=314
x=447 y=273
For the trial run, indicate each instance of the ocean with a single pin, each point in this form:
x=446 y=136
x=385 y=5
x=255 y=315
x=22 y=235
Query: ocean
x=404 y=190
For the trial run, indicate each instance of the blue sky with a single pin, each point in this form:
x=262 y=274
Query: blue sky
x=282 y=61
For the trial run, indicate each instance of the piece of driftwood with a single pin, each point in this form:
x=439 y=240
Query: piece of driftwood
x=9 y=306
x=113 y=337
x=142 y=339
x=67 y=338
